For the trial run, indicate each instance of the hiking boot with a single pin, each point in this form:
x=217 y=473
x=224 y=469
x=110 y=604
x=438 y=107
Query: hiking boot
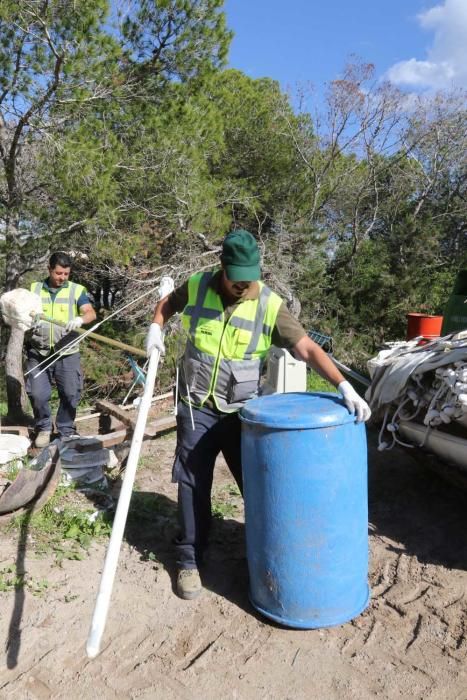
x=42 y=439
x=188 y=584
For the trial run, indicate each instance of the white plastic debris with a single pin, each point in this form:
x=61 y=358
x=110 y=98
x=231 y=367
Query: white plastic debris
x=19 y=308
x=112 y=460
x=12 y=446
x=427 y=384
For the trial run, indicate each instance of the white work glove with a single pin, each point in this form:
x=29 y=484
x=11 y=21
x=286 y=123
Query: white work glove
x=74 y=324
x=354 y=402
x=155 y=339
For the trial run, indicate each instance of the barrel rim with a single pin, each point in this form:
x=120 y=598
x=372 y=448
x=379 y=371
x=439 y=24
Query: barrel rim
x=307 y=421
x=326 y=620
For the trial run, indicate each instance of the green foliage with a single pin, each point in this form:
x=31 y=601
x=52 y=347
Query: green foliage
x=316 y=383
x=125 y=137
x=63 y=526
x=11 y=469
x=57 y=66
x=104 y=368
x=369 y=298
x=177 y=39
x=222 y=509
x=226 y=502
x=168 y=130
x=84 y=170
x=12 y=580
x=168 y=157
x=258 y=160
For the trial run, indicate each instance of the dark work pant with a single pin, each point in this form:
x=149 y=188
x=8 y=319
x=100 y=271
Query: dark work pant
x=66 y=372
x=193 y=470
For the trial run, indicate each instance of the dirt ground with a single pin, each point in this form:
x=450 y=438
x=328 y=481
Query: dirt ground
x=411 y=642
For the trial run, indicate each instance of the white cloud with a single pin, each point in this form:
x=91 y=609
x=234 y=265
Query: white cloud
x=446 y=61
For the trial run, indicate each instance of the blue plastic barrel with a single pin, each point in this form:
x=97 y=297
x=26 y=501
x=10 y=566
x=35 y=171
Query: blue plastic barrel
x=306 y=509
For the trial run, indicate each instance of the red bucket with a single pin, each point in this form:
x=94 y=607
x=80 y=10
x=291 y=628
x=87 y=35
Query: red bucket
x=423 y=325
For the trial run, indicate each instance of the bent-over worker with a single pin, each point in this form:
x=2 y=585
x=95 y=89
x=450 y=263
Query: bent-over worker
x=69 y=303
x=231 y=319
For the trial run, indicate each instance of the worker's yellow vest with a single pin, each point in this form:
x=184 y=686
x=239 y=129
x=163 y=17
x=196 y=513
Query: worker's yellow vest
x=63 y=308
x=224 y=359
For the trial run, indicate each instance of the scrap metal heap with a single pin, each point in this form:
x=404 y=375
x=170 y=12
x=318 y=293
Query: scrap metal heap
x=421 y=392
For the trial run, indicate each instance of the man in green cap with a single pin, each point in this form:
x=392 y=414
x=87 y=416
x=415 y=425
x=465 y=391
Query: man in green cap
x=231 y=319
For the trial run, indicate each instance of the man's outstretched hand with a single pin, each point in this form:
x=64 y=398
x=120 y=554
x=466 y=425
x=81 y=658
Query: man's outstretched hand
x=354 y=402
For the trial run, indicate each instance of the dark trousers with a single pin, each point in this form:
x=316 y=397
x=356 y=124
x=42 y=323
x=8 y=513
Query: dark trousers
x=66 y=372
x=193 y=470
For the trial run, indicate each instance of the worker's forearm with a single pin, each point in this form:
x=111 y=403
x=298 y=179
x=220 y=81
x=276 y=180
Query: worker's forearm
x=311 y=353
x=326 y=368
x=88 y=315
x=162 y=312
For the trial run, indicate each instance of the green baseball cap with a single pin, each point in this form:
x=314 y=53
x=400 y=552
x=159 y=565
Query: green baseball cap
x=240 y=256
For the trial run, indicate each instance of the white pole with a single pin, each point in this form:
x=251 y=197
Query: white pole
x=110 y=565
x=111 y=559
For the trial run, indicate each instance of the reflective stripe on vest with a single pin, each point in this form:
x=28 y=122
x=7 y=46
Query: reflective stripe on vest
x=224 y=359
x=62 y=308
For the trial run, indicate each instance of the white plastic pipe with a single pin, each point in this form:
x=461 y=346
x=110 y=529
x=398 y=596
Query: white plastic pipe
x=110 y=565
x=111 y=559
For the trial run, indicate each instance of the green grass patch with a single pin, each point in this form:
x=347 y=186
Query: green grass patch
x=224 y=502
x=316 y=383
x=11 y=580
x=64 y=526
x=10 y=470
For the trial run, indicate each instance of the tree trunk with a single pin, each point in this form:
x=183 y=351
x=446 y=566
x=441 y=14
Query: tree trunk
x=17 y=399
x=16 y=394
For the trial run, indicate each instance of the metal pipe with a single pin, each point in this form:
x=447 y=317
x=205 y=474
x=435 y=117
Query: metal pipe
x=351 y=372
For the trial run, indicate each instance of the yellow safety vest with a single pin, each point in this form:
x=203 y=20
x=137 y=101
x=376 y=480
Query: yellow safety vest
x=224 y=359
x=62 y=308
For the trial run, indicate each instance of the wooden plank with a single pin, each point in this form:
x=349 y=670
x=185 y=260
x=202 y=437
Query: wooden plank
x=87 y=416
x=115 y=438
x=160 y=397
x=160 y=425
x=127 y=407
x=116 y=411
x=15 y=430
x=153 y=429
x=102 y=338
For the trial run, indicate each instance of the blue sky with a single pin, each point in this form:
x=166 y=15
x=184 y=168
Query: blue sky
x=417 y=44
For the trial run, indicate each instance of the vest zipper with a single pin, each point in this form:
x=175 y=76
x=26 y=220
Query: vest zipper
x=217 y=363
x=218 y=360
x=51 y=331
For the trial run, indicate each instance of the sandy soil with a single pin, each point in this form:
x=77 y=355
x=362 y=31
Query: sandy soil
x=411 y=642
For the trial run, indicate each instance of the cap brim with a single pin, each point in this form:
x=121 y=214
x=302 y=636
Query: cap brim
x=237 y=273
